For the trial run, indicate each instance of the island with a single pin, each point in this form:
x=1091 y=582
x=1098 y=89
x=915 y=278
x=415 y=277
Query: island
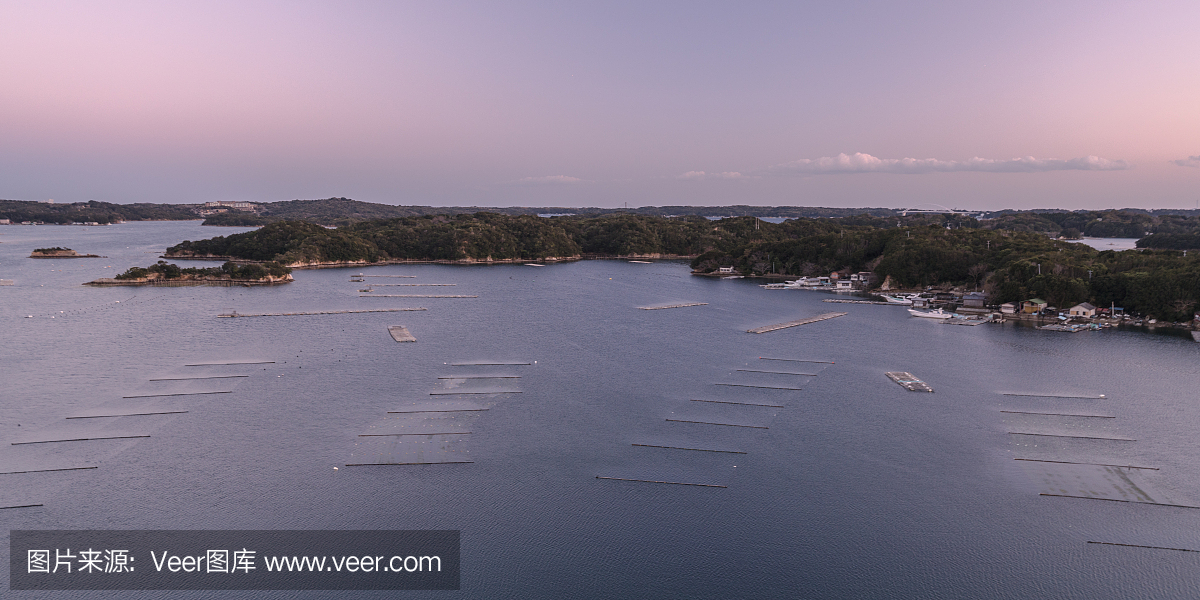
x=166 y=274
x=58 y=252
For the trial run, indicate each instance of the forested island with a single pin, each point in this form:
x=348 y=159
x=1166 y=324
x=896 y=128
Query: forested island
x=59 y=252
x=230 y=273
x=920 y=251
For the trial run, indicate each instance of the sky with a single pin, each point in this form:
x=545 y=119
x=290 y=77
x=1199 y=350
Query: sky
x=973 y=105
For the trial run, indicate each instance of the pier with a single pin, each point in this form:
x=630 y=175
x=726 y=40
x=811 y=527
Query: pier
x=677 y=448
x=820 y=317
x=319 y=312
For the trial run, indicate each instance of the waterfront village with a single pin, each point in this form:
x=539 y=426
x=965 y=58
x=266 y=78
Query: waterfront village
x=969 y=307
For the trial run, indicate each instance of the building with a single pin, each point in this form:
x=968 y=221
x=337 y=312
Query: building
x=1034 y=306
x=246 y=206
x=1083 y=310
x=725 y=270
x=974 y=300
x=1009 y=308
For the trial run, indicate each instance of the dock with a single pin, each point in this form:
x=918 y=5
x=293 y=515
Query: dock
x=685 y=304
x=908 y=381
x=401 y=333
x=320 y=312
x=820 y=317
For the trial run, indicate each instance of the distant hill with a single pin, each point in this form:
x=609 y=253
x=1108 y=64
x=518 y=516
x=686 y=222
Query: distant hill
x=20 y=211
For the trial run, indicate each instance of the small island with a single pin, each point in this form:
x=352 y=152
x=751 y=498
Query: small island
x=57 y=252
x=163 y=273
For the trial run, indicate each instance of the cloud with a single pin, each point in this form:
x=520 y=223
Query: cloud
x=547 y=180
x=1191 y=161
x=865 y=163
x=703 y=175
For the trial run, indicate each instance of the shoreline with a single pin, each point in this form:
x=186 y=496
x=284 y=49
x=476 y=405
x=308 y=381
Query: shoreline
x=444 y=261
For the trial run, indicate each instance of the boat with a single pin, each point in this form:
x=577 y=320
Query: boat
x=930 y=314
x=898 y=300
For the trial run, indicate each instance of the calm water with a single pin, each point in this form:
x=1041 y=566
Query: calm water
x=856 y=488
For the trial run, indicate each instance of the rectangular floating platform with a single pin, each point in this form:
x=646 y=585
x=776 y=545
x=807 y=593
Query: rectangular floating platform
x=7 y=282
x=1118 y=500
x=480 y=377
x=844 y=301
x=820 y=317
x=319 y=312
x=1023 y=412
x=1078 y=437
x=415 y=296
x=1141 y=546
x=201 y=377
x=739 y=403
x=803 y=360
x=434 y=410
x=180 y=394
x=685 y=448
x=166 y=412
x=394 y=276
x=908 y=381
x=1099 y=397
x=416 y=284
x=394 y=464
x=686 y=304
x=408 y=434
x=714 y=423
x=468 y=393
x=777 y=372
x=1067 y=462
x=47 y=470
x=765 y=387
x=710 y=485
x=488 y=364
x=401 y=333
x=114 y=437
x=257 y=362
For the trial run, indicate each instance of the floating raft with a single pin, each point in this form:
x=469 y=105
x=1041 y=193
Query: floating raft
x=145 y=414
x=1045 y=414
x=400 y=333
x=415 y=296
x=685 y=304
x=438 y=462
x=710 y=485
x=416 y=284
x=320 y=312
x=908 y=381
x=1101 y=396
x=47 y=470
x=7 y=282
x=257 y=362
x=1141 y=546
x=396 y=276
x=1067 y=462
x=487 y=364
x=777 y=372
x=201 y=377
x=113 y=437
x=803 y=360
x=765 y=387
x=820 y=317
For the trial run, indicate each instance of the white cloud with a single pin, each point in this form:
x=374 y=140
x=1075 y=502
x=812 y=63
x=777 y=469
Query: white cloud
x=703 y=175
x=865 y=163
x=547 y=180
x=1191 y=161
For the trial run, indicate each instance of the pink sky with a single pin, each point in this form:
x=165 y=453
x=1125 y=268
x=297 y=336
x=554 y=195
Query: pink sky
x=564 y=104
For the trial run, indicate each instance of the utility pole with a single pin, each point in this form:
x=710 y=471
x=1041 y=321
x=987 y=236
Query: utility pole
x=1039 y=268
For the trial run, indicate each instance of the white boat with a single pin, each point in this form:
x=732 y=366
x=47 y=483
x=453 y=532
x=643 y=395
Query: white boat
x=898 y=300
x=930 y=314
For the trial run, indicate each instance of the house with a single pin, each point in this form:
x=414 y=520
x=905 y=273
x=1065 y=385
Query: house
x=974 y=300
x=1083 y=310
x=845 y=284
x=1034 y=306
x=724 y=270
x=1009 y=308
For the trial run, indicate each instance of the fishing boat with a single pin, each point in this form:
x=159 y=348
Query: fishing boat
x=898 y=300
x=930 y=314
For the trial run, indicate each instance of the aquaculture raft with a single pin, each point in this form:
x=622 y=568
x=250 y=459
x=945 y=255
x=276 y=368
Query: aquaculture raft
x=820 y=317
x=400 y=333
x=908 y=381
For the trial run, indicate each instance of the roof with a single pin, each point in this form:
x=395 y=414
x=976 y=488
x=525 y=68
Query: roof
x=1084 y=306
x=1036 y=301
